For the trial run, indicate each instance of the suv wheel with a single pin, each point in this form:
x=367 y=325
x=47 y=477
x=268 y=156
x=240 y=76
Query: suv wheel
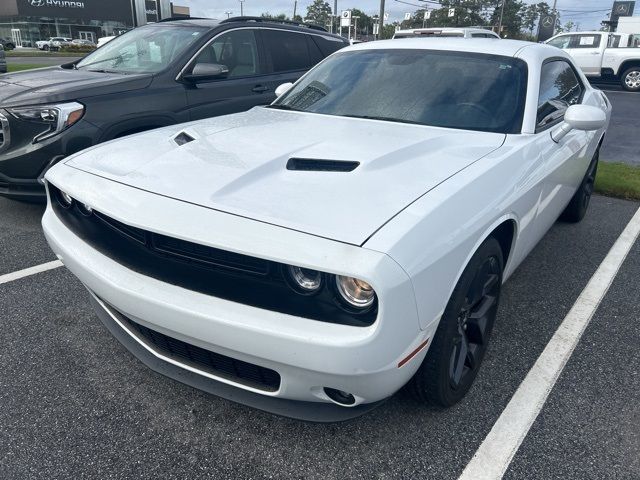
x=631 y=79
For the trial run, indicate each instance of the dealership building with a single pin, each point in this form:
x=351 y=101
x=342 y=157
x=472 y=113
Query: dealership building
x=27 y=21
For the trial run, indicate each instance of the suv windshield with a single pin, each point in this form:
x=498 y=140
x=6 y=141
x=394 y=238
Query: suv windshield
x=146 y=49
x=444 y=89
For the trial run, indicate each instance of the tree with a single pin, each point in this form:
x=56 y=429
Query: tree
x=511 y=18
x=365 y=22
x=319 y=12
x=280 y=16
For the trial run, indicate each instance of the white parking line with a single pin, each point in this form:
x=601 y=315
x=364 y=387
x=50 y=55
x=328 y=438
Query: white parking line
x=503 y=441
x=10 y=277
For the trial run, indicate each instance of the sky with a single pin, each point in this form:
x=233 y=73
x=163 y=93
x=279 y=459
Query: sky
x=588 y=13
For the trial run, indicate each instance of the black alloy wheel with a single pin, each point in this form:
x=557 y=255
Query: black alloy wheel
x=579 y=203
x=462 y=337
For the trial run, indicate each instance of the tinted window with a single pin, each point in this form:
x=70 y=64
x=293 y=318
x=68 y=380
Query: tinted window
x=417 y=86
x=559 y=88
x=328 y=45
x=237 y=50
x=287 y=51
x=561 y=42
x=586 y=41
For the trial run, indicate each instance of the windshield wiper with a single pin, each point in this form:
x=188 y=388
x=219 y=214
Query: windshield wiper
x=385 y=119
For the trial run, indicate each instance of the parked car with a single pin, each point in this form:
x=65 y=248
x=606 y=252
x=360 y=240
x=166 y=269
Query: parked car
x=54 y=43
x=83 y=43
x=312 y=257
x=156 y=75
x=446 y=32
x=604 y=55
x=3 y=61
x=104 y=40
x=7 y=43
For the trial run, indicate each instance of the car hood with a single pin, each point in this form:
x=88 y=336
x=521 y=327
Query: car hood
x=55 y=84
x=238 y=164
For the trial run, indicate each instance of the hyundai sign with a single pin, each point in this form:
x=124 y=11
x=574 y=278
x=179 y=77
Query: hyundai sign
x=75 y=9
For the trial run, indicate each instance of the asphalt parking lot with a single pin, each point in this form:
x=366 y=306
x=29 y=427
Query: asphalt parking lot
x=76 y=404
x=622 y=143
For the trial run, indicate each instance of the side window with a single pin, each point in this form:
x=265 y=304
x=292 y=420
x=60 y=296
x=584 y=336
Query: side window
x=314 y=52
x=614 y=41
x=559 y=89
x=479 y=35
x=586 y=41
x=287 y=51
x=562 y=41
x=237 y=50
x=328 y=45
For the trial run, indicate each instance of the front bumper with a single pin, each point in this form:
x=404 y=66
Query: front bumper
x=307 y=354
x=23 y=164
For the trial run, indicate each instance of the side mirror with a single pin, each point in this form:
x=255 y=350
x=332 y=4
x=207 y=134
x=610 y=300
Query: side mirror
x=206 y=71
x=580 y=117
x=284 y=88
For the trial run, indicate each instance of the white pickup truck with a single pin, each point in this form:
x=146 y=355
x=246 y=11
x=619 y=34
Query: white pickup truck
x=604 y=54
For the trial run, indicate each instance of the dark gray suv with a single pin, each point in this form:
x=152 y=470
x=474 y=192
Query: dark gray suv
x=157 y=75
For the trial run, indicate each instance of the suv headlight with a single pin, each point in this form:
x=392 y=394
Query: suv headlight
x=57 y=117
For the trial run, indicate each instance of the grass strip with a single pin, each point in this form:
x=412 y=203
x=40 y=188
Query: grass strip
x=618 y=180
x=26 y=66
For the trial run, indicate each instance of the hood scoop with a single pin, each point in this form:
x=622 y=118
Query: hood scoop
x=183 y=138
x=316 y=165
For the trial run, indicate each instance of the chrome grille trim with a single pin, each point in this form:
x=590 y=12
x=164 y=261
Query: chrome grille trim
x=5 y=137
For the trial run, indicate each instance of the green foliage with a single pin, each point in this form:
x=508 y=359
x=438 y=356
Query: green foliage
x=77 y=48
x=319 y=12
x=618 y=180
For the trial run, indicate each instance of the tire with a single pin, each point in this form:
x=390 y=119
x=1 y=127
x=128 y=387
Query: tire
x=45 y=48
x=579 y=203
x=630 y=79
x=448 y=370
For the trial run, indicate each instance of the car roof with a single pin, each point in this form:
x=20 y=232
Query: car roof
x=244 y=21
x=489 y=46
x=587 y=32
x=445 y=29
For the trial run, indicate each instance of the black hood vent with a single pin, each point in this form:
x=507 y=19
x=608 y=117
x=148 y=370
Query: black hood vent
x=183 y=138
x=316 y=165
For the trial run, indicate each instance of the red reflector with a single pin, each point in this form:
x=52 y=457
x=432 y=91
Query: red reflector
x=413 y=354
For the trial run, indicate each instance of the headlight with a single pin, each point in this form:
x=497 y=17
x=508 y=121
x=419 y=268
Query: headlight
x=355 y=292
x=304 y=280
x=57 y=117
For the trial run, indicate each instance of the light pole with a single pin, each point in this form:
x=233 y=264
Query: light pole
x=295 y=7
x=501 y=14
x=381 y=20
x=355 y=28
x=228 y=14
x=241 y=8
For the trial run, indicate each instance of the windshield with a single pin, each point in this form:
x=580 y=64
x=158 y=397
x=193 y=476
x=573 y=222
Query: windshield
x=445 y=89
x=146 y=49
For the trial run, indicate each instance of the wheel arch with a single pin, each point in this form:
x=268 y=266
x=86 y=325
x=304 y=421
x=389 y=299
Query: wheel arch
x=624 y=66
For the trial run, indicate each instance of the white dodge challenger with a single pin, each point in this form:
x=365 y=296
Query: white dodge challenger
x=312 y=257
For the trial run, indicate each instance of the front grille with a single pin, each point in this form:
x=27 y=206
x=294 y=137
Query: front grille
x=207 y=361
x=4 y=133
x=220 y=273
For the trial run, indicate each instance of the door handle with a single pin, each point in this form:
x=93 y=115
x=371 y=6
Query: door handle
x=260 y=89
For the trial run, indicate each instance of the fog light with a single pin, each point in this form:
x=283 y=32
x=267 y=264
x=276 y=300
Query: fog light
x=305 y=280
x=355 y=292
x=340 y=397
